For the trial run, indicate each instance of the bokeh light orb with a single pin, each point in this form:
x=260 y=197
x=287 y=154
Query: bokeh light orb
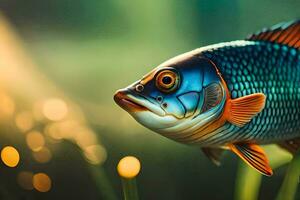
x=24 y=179
x=24 y=120
x=42 y=182
x=85 y=137
x=53 y=130
x=10 y=156
x=55 y=109
x=95 y=154
x=129 y=167
x=35 y=140
x=7 y=105
x=42 y=156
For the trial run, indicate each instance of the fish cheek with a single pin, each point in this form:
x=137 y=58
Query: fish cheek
x=173 y=106
x=190 y=101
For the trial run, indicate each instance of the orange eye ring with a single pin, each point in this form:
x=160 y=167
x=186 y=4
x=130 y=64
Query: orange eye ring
x=167 y=81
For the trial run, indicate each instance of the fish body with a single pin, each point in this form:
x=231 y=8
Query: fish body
x=234 y=95
x=250 y=67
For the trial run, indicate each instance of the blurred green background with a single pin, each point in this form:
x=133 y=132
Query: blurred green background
x=69 y=57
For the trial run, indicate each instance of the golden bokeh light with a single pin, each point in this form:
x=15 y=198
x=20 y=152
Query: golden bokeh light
x=42 y=182
x=65 y=129
x=7 y=105
x=42 y=156
x=129 y=167
x=53 y=131
x=95 y=154
x=35 y=140
x=24 y=179
x=69 y=128
x=37 y=111
x=24 y=120
x=85 y=137
x=55 y=109
x=10 y=156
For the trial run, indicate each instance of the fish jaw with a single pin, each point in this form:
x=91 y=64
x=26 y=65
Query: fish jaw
x=144 y=111
x=124 y=101
x=134 y=103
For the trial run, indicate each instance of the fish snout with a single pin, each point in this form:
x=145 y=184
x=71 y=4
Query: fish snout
x=123 y=98
x=119 y=95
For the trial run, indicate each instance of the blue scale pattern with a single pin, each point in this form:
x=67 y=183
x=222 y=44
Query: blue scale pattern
x=269 y=68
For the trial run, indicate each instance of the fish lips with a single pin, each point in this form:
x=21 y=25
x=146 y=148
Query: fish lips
x=123 y=99
x=133 y=103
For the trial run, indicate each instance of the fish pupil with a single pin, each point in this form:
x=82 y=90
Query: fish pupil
x=167 y=80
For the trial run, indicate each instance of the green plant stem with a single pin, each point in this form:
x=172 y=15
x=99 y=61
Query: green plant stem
x=103 y=184
x=130 y=189
x=290 y=184
x=247 y=183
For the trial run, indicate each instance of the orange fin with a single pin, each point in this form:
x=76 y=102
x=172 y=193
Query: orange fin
x=214 y=154
x=243 y=109
x=254 y=156
x=285 y=33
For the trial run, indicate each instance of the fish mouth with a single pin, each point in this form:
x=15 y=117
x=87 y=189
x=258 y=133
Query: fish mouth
x=133 y=103
x=125 y=101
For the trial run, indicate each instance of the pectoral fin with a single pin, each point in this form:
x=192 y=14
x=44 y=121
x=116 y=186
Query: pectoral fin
x=254 y=156
x=242 y=110
x=214 y=154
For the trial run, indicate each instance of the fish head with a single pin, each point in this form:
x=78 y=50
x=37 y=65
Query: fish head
x=177 y=95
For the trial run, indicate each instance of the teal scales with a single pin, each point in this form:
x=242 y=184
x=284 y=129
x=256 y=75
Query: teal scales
x=273 y=69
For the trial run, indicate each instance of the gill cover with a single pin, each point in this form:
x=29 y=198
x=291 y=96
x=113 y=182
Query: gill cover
x=196 y=86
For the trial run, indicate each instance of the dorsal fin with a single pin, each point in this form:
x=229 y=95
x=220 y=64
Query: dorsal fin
x=284 y=33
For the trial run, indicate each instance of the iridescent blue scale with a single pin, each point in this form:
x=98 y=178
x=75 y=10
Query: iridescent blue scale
x=261 y=67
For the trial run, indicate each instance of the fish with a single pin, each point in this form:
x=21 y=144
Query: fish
x=231 y=96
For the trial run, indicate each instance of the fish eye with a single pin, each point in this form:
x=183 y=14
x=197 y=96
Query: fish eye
x=167 y=81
